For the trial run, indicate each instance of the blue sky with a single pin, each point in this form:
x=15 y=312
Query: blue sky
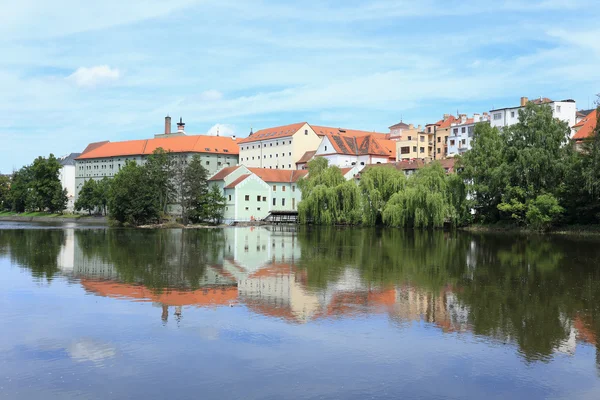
x=113 y=70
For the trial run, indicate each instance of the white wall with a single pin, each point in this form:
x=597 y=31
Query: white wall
x=67 y=180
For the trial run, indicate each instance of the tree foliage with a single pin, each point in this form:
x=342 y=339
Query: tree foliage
x=4 y=192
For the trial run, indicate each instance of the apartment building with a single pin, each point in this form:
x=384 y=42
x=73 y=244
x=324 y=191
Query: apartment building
x=461 y=133
x=565 y=110
x=252 y=193
x=585 y=128
x=349 y=151
x=280 y=147
x=105 y=159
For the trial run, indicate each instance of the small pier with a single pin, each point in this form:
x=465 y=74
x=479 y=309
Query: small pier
x=282 y=217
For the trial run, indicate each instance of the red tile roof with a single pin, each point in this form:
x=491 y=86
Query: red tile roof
x=279 y=175
x=306 y=157
x=237 y=181
x=325 y=130
x=587 y=128
x=445 y=123
x=221 y=174
x=273 y=133
x=187 y=144
x=362 y=145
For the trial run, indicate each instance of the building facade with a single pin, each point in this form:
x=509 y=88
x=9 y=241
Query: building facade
x=461 y=133
x=280 y=147
x=67 y=178
x=349 y=151
x=565 y=110
x=105 y=159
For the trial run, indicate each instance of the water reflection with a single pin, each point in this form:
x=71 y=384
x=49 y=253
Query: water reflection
x=540 y=293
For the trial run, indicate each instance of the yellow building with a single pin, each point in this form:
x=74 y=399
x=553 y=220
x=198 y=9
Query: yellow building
x=411 y=142
x=280 y=147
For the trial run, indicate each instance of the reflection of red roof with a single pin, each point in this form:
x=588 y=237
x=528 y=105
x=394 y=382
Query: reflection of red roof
x=587 y=126
x=273 y=270
x=273 y=133
x=237 y=181
x=177 y=144
x=584 y=331
x=223 y=295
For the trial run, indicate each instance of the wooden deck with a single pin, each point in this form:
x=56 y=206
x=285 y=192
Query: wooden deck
x=282 y=217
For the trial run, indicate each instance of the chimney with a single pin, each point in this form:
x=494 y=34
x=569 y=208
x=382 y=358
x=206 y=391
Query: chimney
x=411 y=126
x=167 y=125
x=524 y=101
x=446 y=116
x=463 y=118
x=476 y=117
x=180 y=126
x=420 y=128
x=233 y=137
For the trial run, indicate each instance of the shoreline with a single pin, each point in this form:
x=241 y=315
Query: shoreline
x=80 y=220
x=571 y=230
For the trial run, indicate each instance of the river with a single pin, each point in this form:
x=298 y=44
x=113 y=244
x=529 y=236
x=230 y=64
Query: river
x=286 y=312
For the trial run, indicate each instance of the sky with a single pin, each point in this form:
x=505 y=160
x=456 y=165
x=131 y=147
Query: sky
x=74 y=72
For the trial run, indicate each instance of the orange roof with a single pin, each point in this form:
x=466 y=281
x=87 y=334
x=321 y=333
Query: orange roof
x=362 y=145
x=278 y=175
x=202 y=297
x=273 y=133
x=325 y=131
x=237 y=181
x=93 y=146
x=219 y=176
x=445 y=123
x=306 y=157
x=274 y=270
x=177 y=144
x=588 y=125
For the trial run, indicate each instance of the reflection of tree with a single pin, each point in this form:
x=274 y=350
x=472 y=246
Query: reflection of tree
x=158 y=259
x=35 y=249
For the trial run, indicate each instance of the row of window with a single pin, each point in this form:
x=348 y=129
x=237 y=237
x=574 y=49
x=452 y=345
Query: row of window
x=264 y=145
x=406 y=150
x=271 y=156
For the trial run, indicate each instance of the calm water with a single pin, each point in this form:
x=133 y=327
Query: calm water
x=255 y=313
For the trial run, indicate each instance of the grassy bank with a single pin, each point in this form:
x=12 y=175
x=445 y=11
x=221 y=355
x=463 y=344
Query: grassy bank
x=38 y=214
x=512 y=228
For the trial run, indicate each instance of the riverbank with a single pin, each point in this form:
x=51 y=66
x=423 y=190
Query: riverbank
x=46 y=217
x=583 y=230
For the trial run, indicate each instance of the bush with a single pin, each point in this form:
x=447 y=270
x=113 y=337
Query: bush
x=543 y=212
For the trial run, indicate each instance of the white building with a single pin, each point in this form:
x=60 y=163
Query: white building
x=67 y=178
x=565 y=110
x=461 y=133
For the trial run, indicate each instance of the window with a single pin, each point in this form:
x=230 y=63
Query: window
x=512 y=114
x=439 y=139
x=415 y=149
x=271 y=144
x=208 y=163
x=247 y=197
x=283 y=202
x=422 y=138
x=452 y=143
x=421 y=149
x=274 y=201
x=257 y=208
x=264 y=199
x=219 y=162
x=409 y=138
x=463 y=130
x=274 y=188
x=455 y=131
x=293 y=188
x=276 y=143
x=290 y=166
x=252 y=146
x=557 y=109
x=282 y=188
x=306 y=131
x=270 y=155
x=403 y=150
x=325 y=148
x=257 y=198
x=290 y=151
x=464 y=141
x=439 y=151
x=497 y=116
x=229 y=197
x=362 y=163
x=246 y=208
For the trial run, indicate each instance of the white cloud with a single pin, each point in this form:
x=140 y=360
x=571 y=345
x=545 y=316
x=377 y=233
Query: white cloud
x=90 y=350
x=211 y=95
x=93 y=76
x=221 y=130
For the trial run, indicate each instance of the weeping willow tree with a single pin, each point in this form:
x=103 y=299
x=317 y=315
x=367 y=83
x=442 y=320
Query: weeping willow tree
x=377 y=186
x=327 y=198
x=425 y=202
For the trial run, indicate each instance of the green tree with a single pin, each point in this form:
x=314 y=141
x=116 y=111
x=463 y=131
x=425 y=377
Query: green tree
x=45 y=191
x=534 y=162
x=482 y=168
x=132 y=198
x=102 y=193
x=4 y=192
x=193 y=191
x=212 y=206
x=159 y=167
x=19 y=189
x=377 y=185
x=543 y=211
x=87 y=199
